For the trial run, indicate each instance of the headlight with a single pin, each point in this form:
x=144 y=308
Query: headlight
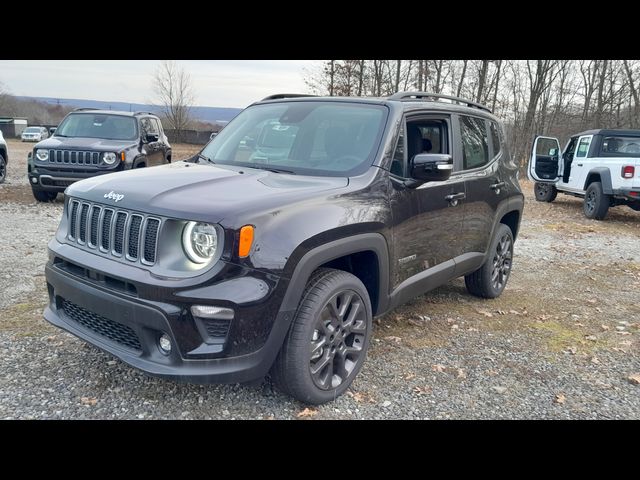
x=200 y=241
x=42 y=155
x=109 y=158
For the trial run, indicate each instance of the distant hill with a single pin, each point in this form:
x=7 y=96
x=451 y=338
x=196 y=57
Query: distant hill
x=205 y=114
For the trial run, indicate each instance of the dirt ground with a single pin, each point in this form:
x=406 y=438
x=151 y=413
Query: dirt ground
x=561 y=342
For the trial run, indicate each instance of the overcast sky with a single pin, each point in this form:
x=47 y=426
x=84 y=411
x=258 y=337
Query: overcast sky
x=217 y=83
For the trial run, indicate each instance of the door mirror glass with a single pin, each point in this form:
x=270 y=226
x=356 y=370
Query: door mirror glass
x=152 y=137
x=431 y=167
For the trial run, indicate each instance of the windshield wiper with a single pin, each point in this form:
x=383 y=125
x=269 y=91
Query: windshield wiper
x=272 y=169
x=60 y=135
x=205 y=158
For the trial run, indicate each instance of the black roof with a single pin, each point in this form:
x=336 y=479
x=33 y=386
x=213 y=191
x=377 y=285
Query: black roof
x=610 y=131
x=409 y=100
x=111 y=112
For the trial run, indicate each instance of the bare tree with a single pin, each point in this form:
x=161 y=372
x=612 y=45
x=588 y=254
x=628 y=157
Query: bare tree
x=174 y=94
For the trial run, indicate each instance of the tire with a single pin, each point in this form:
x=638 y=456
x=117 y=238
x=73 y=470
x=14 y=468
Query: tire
x=3 y=169
x=545 y=192
x=44 y=196
x=596 y=203
x=348 y=332
x=491 y=278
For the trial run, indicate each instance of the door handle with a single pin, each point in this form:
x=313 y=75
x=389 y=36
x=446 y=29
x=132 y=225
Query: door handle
x=579 y=164
x=497 y=186
x=454 y=198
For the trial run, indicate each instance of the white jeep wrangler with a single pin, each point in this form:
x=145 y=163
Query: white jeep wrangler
x=602 y=166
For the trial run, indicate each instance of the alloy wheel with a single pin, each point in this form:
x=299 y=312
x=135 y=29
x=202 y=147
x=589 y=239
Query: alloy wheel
x=337 y=340
x=502 y=262
x=591 y=201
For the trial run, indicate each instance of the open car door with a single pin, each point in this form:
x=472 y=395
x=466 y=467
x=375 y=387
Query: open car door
x=545 y=164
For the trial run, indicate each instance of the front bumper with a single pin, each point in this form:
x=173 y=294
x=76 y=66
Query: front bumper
x=57 y=181
x=84 y=302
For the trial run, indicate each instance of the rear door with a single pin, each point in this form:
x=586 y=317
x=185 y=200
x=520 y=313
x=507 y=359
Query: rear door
x=152 y=146
x=545 y=165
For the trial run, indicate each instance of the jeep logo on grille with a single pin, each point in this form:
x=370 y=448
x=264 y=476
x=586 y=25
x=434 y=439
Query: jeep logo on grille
x=116 y=197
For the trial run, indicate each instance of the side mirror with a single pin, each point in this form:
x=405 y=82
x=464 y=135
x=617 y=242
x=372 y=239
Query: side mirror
x=552 y=152
x=431 y=167
x=152 y=137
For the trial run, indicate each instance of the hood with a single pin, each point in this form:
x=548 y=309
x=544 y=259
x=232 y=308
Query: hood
x=207 y=193
x=81 y=143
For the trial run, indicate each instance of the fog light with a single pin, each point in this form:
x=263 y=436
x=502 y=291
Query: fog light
x=34 y=180
x=209 y=311
x=164 y=343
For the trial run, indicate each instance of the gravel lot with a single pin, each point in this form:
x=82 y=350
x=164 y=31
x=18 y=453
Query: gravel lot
x=561 y=342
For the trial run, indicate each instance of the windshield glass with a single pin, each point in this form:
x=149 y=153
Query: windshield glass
x=309 y=138
x=621 y=147
x=32 y=130
x=91 y=125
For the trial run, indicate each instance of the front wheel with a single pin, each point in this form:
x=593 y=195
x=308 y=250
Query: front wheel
x=545 y=192
x=491 y=278
x=596 y=203
x=327 y=343
x=43 y=195
x=3 y=169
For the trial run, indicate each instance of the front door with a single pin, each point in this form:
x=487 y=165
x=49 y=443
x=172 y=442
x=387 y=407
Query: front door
x=579 y=167
x=545 y=165
x=151 y=141
x=427 y=219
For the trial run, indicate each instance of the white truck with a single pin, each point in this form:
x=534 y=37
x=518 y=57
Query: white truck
x=601 y=166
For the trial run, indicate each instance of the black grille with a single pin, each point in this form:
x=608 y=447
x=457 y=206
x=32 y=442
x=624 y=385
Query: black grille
x=106 y=229
x=118 y=238
x=74 y=157
x=114 y=331
x=134 y=236
x=95 y=217
x=72 y=220
x=150 y=236
x=117 y=232
x=83 y=222
x=217 y=328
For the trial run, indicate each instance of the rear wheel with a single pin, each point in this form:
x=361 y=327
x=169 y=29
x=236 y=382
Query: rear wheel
x=596 y=202
x=3 y=168
x=545 y=192
x=491 y=278
x=328 y=339
x=44 y=196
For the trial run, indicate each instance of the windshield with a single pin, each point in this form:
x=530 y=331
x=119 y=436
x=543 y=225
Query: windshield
x=310 y=138
x=32 y=130
x=621 y=147
x=91 y=125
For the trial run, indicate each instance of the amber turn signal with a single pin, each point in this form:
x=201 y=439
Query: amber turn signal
x=246 y=239
x=122 y=156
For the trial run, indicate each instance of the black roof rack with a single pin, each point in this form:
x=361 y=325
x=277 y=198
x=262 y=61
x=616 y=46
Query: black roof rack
x=279 y=96
x=427 y=95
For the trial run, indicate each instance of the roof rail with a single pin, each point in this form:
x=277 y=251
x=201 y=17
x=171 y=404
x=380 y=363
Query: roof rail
x=427 y=95
x=82 y=109
x=143 y=113
x=279 y=96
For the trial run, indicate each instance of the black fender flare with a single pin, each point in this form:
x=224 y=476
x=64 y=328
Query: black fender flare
x=324 y=253
x=138 y=160
x=512 y=204
x=605 y=179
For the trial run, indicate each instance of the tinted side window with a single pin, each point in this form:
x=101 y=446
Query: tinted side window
x=583 y=147
x=157 y=124
x=397 y=165
x=495 y=138
x=475 y=148
x=148 y=126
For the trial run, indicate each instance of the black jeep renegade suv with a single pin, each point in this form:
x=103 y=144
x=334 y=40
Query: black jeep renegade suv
x=274 y=247
x=92 y=142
